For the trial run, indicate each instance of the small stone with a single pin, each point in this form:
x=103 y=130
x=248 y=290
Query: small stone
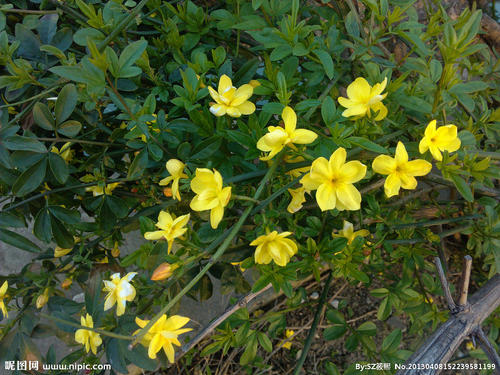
x=314 y=295
x=79 y=298
x=335 y=303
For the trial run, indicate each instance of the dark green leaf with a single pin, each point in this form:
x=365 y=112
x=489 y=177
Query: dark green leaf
x=368 y=145
x=206 y=148
x=70 y=128
x=391 y=342
x=138 y=166
x=326 y=61
x=334 y=332
x=65 y=103
x=30 y=179
x=18 y=241
x=21 y=143
x=62 y=237
x=462 y=187
x=58 y=167
x=65 y=215
x=42 y=116
x=43 y=227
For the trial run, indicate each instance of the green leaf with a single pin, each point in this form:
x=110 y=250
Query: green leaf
x=385 y=309
x=328 y=110
x=42 y=117
x=116 y=205
x=351 y=25
x=250 y=350
x=42 y=227
x=367 y=329
x=463 y=187
x=21 y=143
x=61 y=235
x=368 y=145
x=335 y=316
x=66 y=102
x=58 y=167
x=18 y=241
x=70 y=128
x=206 y=148
x=334 y=332
x=265 y=342
x=30 y=179
x=139 y=357
x=131 y=53
x=9 y=220
x=326 y=61
x=138 y=166
x=280 y=52
x=65 y=215
x=391 y=342
x=115 y=352
x=468 y=87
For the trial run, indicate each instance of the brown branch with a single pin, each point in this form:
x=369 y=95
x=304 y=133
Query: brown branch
x=441 y=345
x=488 y=348
x=444 y=285
x=464 y=280
x=215 y=323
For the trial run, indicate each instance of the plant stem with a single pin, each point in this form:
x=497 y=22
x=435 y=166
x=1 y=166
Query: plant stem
x=76 y=325
x=429 y=223
x=244 y=198
x=122 y=25
x=314 y=325
x=75 y=140
x=29 y=11
x=220 y=251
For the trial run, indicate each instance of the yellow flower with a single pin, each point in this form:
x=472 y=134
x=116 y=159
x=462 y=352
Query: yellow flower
x=334 y=180
x=362 y=99
x=210 y=195
x=98 y=190
x=163 y=271
x=231 y=101
x=278 y=137
x=67 y=283
x=349 y=233
x=65 y=152
x=274 y=246
x=170 y=228
x=298 y=197
x=59 y=252
x=3 y=293
x=254 y=83
x=401 y=171
x=163 y=334
x=297 y=171
x=42 y=299
x=176 y=169
x=242 y=269
x=288 y=344
x=86 y=337
x=119 y=291
x=437 y=140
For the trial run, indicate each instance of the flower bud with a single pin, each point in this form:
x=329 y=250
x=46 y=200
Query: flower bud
x=167 y=192
x=66 y=283
x=42 y=299
x=163 y=271
x=115 y=252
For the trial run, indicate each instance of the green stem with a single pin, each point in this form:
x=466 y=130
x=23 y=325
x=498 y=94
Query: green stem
x=220 y=251
x=75 y=140
x=58 y=190
x=76 y=325
x=314 y=326
x=429 y=223
x=122 y=25
x=244 y=198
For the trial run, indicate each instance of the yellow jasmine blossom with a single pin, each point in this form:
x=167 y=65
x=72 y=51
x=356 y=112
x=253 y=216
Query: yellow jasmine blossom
x=42 y=299
x=295 y=159
x=210 y=195
x=3 y=293
x=98 y=190
x=362 y=99
x=65 y=152
x=437 y=140
x=176 y=169
x=231 y=101
x=86 y=337
x=163 y=334
x=59 y=252
x=401 y=171
x=274 y=246
x=67 y=282
x=115 y=251
x=298 y=198
x=278 y=137
x=254 y=83
x=349 y=233
x=288 y=344
x=170 y=228
x=119 y=291
x=334 y=181
x=242 y=269
x=164 y=271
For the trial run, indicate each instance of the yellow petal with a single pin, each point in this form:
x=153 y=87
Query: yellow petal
x=325 y=196
x=352 y=171
x=175 y=167
x=418 y=167
x=337 y=159
x=246 y=108
x=423 y=146
x=290 y=119
x=225 y=84
x=233 y=112
x=155 y=346
x=303 y=136
x=345 y=102
x=156 y=235
x=241 y=95
x=320 y=172
x=169 y=351
x=359 y=90
x=384 y=164
x=378 y=88
x=407 y=181
x=349 y=196
x=356 y=110
x=401 y=154
x=430 y=130
x=381 y=109
x=392 y=185
x=219 y=109
x=216 y=215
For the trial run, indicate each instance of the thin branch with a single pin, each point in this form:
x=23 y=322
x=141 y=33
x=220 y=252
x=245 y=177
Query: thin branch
x=464 y=280
x=215 y=323
x=317 y=317
x=444 y=285
x=488 y=348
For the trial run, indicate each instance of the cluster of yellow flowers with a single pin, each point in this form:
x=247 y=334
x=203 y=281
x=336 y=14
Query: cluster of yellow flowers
x=332 y=179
